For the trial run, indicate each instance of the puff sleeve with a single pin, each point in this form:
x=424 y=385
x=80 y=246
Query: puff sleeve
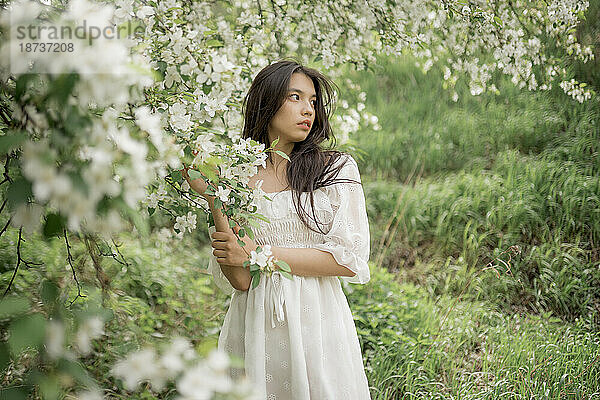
x=215 y=270
x=348 y=238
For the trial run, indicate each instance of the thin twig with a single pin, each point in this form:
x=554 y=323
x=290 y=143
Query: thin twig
x=5 y=226
x=19 y=261
x=70 y=260
x=5 y=173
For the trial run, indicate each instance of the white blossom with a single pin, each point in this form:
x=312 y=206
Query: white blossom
x=28 y=216
x=55 y=338
x=223 y=193
x=136 y=368
x=91 y=328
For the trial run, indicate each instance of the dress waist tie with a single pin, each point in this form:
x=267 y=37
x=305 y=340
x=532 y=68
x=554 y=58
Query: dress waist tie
x=277 y=298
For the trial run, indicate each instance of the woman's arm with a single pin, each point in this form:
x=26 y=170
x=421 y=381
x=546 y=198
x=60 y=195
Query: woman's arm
x=239 y=277
x=310 y=262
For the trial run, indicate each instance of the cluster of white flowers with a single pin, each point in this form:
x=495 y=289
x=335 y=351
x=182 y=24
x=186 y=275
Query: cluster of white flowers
x=90 y=328
x=185 y=222
x=206 y=57
x=576 y=90
x=263 y=258
x=510 y=31
x=262 y=262
x=103 y=160
x=158 y=195
x=137 y=127
x=195 y=379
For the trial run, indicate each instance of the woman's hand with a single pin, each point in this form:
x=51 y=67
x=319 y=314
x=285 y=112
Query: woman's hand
x=199 y=185
x=228 y=251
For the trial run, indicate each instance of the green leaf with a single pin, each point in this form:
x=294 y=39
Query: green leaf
x=151 y=211
x=195 y=174
x=209 y=172
x=318 y=58
x=274 y=142
x=136 y=217
x=261 y=217
x=232 y=223
x=27 y=332
x=218 y=203
x=286 y=274
x=21 y=85
x=249 y=232
x=242 y=232
x=54 y=225
x=75 y=122
x=18 y=192
x=11 y=140
x=77 y=371
x=241 y=243
x=255 y=280
x=177 y=176
x=282 y=154
x=187 y=153
x=13 y=306
x=283 y=265
x=62 y=87
x=214 y=43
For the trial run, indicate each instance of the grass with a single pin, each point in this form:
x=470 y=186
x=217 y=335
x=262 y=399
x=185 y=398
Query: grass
x=418 y=348
x=415 y=346
x=450 y=187
x=481 y=175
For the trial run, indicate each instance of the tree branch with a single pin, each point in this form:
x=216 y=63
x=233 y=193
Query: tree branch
x=19 y=260
x=70 y=261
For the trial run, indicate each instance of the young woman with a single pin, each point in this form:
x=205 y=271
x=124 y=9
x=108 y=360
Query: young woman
x=297 y=337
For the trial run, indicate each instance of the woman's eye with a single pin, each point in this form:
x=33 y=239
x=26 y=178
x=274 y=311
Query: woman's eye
x=314 y=103
x=298 y=97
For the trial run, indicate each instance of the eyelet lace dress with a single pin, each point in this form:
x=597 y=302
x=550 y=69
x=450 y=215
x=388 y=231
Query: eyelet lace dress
x=297 y=337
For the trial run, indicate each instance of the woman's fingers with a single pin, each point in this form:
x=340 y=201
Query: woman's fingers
x=219 y=253
x=216 y=244
x=222 y=236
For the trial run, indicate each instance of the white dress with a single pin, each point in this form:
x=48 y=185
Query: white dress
x=297 y=337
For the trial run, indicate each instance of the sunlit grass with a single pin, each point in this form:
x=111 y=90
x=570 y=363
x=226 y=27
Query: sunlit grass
x=478 y=352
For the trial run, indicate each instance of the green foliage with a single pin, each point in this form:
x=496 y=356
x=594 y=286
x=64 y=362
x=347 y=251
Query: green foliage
x=156 y=295
x=415 y=348
x=423 y=128
x=464 y=181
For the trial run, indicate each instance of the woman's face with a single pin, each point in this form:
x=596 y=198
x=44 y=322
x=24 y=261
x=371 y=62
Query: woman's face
x=294 y=119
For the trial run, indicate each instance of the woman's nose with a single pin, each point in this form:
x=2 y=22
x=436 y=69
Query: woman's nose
x=307 y=109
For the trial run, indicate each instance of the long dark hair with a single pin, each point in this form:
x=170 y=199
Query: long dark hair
x=311 y=166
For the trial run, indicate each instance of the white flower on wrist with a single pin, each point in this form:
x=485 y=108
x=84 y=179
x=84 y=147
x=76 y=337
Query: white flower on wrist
x=264 y=258
x=258 y=258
